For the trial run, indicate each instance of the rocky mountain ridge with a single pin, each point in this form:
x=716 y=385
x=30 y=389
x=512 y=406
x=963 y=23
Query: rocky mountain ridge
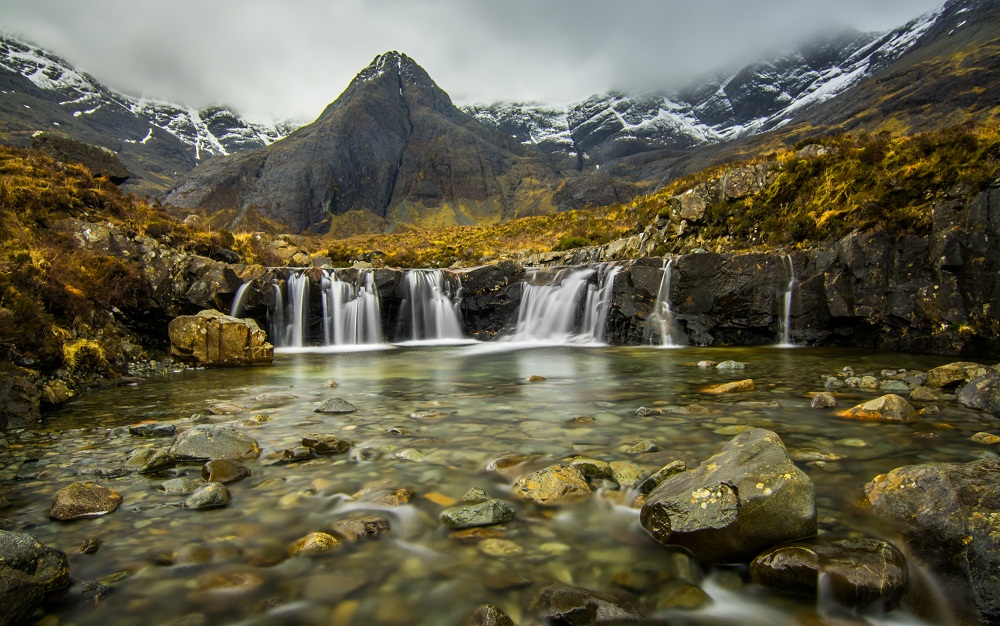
x=761 y=96
x=35 y=81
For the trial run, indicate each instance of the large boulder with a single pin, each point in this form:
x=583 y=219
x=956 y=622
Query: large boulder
x=80 y=500
x=954 y=373
x=748 y=497
x=982 y=393
x=28 y=570
x=212 y=338
x=949 y=514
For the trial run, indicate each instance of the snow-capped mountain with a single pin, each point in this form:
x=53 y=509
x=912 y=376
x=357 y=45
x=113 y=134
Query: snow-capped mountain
x=75 y=102
x=761 y=96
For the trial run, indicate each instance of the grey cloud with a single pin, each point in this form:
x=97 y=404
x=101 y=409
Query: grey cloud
x=290 y=59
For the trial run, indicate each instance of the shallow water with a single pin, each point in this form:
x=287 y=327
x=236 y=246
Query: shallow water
x=163 y=564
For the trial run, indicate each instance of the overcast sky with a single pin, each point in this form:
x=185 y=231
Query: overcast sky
x=289 y=59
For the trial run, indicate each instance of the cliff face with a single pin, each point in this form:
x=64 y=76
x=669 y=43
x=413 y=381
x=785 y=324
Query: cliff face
x=392 y=145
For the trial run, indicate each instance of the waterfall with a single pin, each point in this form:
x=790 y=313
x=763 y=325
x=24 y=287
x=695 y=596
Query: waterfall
x=785 y=323
x=598 y=305
x=351 y=311
x=237 y=307
x=298 y=302
x=432 y=309
x=278 y=318
x=662 y=317
x=566 y=308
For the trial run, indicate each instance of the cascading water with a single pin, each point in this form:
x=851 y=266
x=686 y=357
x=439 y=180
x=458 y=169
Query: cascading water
x=431 y=306
x=351 y=311
x=565 y=309
x=237 y=307
x=298 y=302
x=785 y=323
x=662 y=317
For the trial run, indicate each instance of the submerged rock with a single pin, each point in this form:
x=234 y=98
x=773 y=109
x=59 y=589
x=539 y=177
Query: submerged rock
x=823 y=401
x=553 y=485
x=736 y=386
x=314 y=544
x=336 y=406
x=213 y=338
x=224 y=471
x=949 y=515
x=326 y=444
x=179 y=486
x=208 y=443
x=748 y=497
x=152 y=429
x=84 y=500
x=489 y=615
x=358 y=528
x=563 y=604
x=855 y=572
x=210 y=496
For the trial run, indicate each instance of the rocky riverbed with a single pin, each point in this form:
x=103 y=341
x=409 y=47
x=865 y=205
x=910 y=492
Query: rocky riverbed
x=492 y=485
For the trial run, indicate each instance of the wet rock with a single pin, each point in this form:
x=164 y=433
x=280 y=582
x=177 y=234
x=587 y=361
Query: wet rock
x=536 y=379
x=152 y=429
x=627 y=475
x=954 y=374
x=210 y=496
x=56 y=392
x=336 y=406
x=988 y=439
x=297 y=454
x=553 y=485
x=660 y=475
x=563 y=604
x=314 y=544
x=746 y=498
x=410 y=455
x=209 y=443
x=505 y=463
x=592 y=468
x=431 y=416
x=476 y=494
x=856 y=572
x=485 y=513
x=730 y=365
x=326 y=444
x=707 y=364
x=678 y=594
x=894 y=386
x=644 y=411
x=224 y=408
x=275 y=398
x=224 y=471
x=159 y=460
x=358 y=528
x=823 y=401
x=736 y=386
x=84 y=500
x=982 y=393
x=499 y=547
x=697 y=410
x=19 y=397
x=925 y=394
x=868 y=382
x=91 y=545
x=948 y=514
x=380 y=493
x=489 y=615
x=643 y=446
x=20 y=596
x=179 y=486
x=47 y=566
x=887 y=408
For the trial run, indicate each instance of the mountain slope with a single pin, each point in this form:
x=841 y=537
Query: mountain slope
x=392 y=145
x=156 y=139
x=759 y=97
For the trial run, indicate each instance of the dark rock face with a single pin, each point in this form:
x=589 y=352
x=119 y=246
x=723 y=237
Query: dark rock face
x=857 y=572
x=28 y=570
x=491 y=295
x=392 y=145
x=19 y=397
x=748 y=497
x=949 y=513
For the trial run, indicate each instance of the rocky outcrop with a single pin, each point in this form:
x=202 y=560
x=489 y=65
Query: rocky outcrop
x=748 y=497
x=212 y=338
x=948 y=514
x=99 y=160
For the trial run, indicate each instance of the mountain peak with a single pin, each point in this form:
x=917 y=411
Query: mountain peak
x=392 y=62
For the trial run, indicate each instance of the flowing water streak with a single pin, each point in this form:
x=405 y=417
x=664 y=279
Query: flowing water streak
x=298 y=302
x=548 y=312
x=278 y=318
x=662 y=317
x=433 y=309
x=237 y=306
x=785 y=324
x=598 y=305
x=351 y=310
